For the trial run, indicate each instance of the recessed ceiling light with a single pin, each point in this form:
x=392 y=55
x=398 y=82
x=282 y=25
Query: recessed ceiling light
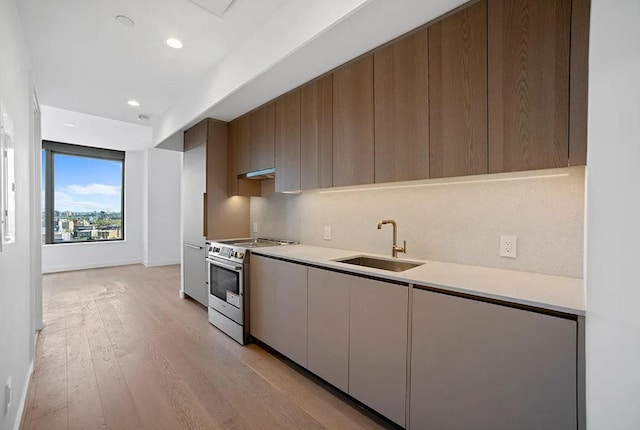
x=174 y=43
x=133 y=103
x=69 y=124
x=125 y=20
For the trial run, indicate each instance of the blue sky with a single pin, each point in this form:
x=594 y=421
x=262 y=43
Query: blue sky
x=86 y=184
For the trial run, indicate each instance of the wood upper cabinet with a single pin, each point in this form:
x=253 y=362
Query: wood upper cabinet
x=401 y=75
x=477 y=365
x=263 y=123
x=458 y=93
x=528 y=79
x=328 y=326
x=287 y=142
x=235 y=186
x=353 y=131
x=256 y=139
x=316 y=134
x=222 y=219
x=378 y=345
x=579 y=75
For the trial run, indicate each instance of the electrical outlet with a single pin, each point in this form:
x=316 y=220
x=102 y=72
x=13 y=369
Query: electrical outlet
x=508 y=246
x=7 y=396
x=327 y=232
x=255 y=227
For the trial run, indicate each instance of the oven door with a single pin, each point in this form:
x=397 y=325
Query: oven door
x=226 y=288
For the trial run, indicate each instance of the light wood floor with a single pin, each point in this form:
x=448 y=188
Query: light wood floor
x=120 y=350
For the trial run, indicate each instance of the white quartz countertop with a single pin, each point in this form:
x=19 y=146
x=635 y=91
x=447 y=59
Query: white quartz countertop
x=550 y=292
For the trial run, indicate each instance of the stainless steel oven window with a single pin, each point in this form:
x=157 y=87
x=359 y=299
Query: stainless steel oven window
x=224 y=283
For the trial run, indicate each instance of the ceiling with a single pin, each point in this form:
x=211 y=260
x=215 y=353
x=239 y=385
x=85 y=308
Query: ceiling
x=84 y=61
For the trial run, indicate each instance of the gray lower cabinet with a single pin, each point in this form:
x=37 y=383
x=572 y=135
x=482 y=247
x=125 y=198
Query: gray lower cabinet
x=278 y=306
x=378 y=345
x=291 y=311
x=477 y=365
x=328 y=326
x=262 y=299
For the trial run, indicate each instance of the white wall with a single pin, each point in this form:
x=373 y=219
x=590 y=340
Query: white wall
x=613 y=217
x=16 y=305
x=74 y=256
x=152 y=194
x=163 y=171
x=454 y=220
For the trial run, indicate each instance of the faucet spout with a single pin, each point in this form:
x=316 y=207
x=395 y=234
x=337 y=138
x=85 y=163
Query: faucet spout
x=395 y=248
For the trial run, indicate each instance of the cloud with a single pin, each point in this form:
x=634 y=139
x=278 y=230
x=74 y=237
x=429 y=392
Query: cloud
x=94 y=189
x=65 y=202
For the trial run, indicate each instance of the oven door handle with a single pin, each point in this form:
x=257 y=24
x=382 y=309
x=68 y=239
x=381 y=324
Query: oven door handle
x=224 y=265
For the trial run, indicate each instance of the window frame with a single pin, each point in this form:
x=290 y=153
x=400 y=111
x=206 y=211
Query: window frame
x=51 y=148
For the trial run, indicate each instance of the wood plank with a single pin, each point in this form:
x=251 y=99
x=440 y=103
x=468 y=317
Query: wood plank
x=56 y=420
x=287 y=142
x=316 y=134
x=528 y=84
x=84 y=405
x=579 y=86
x=458 y=93
x=401 y=76
x=353 y=130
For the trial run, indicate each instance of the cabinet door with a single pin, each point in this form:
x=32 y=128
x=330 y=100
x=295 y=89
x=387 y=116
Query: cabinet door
x=316 y=134
x=579 y=75
x=328 y=326
x=262 y=299
x=458 y=93
x=402 y=110
x=244 y=144
x=378 y=346
x=235 y=186
x=528 y=84
x=291 y=311
x=353 y=144
x=263 y=134
x=288 y=142
x=476 y=365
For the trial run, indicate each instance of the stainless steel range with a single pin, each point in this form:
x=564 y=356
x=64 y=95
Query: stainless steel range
x=228 y=283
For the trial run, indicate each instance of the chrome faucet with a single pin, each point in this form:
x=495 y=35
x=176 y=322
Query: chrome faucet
x=395 y=249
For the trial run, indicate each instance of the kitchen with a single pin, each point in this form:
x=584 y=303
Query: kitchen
x=544 y=210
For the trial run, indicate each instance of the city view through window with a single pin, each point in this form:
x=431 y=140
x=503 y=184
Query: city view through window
x=86 y=198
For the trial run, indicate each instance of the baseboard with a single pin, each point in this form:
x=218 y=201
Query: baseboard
x=23 y=400
x=160 y=263
x=85 y=266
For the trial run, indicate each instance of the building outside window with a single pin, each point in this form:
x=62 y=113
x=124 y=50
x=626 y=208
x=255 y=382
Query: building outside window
x=82 y=193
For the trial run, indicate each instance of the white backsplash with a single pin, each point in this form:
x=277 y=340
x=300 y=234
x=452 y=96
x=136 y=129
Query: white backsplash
x=454 y=220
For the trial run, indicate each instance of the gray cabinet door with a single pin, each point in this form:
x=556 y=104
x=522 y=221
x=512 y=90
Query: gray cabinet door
x=378 y=345
x=291 y=311
x=195 y=274
x=194 y=267
x=262 y=299
x=328 y=326
x=476 y=365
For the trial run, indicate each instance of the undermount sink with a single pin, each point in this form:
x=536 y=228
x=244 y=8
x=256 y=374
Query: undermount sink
x=379 y=263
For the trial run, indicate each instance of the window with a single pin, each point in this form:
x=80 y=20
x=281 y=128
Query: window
x=83 y=193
